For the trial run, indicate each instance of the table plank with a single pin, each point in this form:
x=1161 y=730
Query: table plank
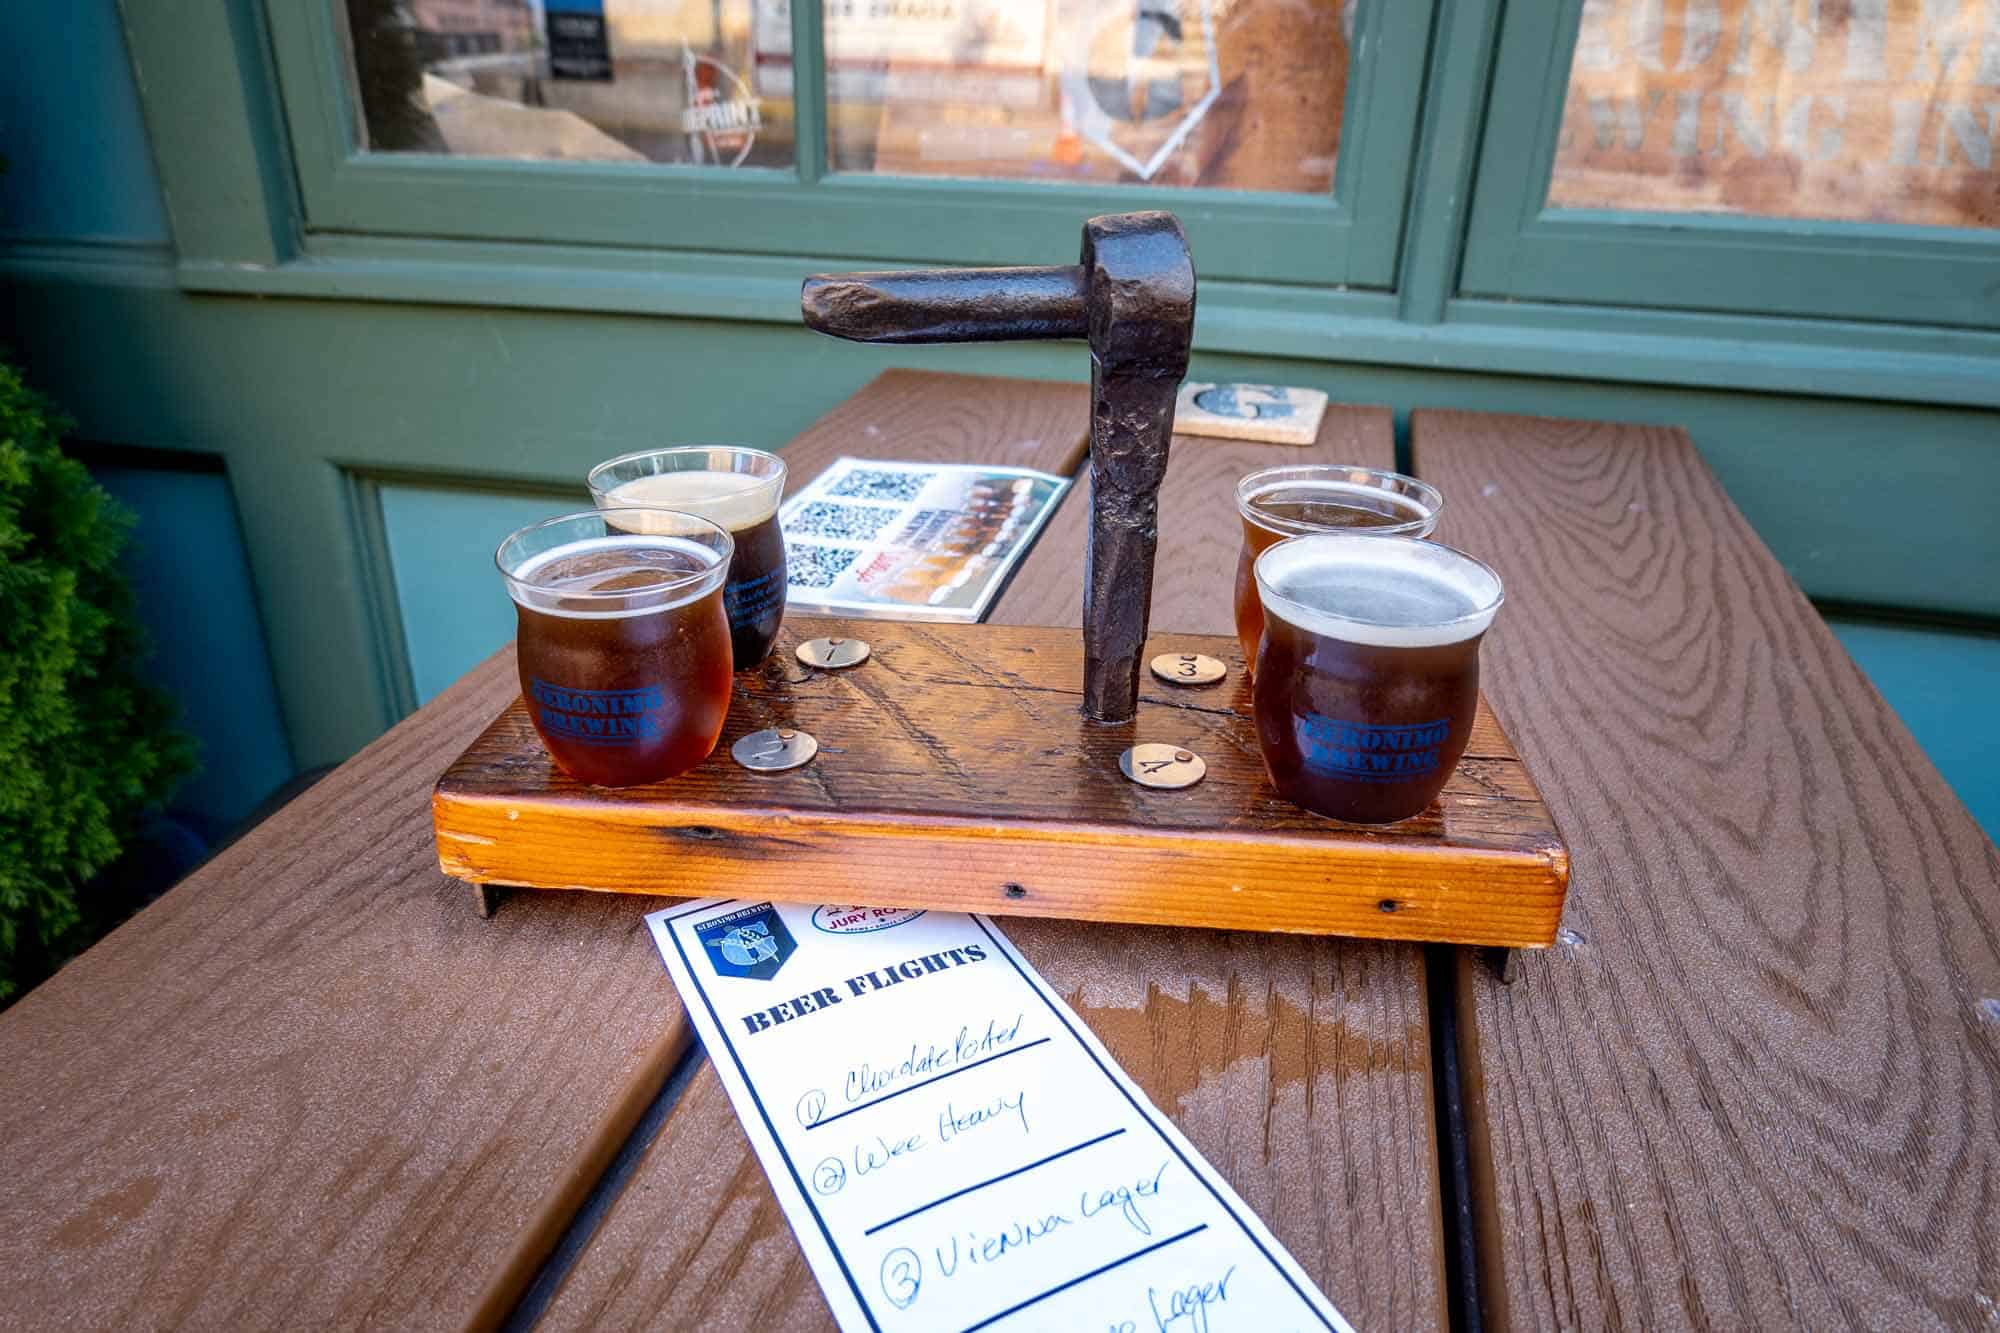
x=922 y=416
x=1199 y=530
x=1300 y=1067
x=1760 y=1085
x=310 y=1087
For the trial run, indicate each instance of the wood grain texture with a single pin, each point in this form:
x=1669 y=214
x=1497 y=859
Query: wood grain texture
x=1300 y=1066
x=309 y=1087
x=964 y=745
x=921 y=416
x=1760 y=1084
x=1200 y=533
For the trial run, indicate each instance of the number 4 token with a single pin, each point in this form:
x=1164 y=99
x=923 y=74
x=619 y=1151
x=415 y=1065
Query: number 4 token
x=1167 y=767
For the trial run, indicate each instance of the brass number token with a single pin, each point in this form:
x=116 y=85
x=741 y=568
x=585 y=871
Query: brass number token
x=1168 y=767
x=1189 y=668
x=775 y=749
x=833 y=654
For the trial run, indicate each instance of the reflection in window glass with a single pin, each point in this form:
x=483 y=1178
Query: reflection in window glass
x=1223 y=94
x=1861 y=110
x=565 y=80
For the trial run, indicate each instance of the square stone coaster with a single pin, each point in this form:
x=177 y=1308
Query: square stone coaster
x=1269 y=413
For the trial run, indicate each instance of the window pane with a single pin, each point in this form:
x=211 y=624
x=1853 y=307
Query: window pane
x=1218 y=94
x=1862 y=110
x=564 y=80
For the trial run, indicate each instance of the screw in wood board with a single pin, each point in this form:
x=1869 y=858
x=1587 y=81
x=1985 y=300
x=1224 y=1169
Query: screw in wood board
x=1133 y=297
x=1189 y=668
x=833 y=654
x=1164 y=767
x=774 y=750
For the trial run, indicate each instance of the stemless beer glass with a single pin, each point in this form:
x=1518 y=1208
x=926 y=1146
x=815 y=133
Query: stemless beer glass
x=623 y=642
x=737 y=489
x=1281 y=502
x=1368 y=671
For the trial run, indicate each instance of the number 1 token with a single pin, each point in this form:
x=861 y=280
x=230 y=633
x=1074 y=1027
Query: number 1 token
x=833 y=654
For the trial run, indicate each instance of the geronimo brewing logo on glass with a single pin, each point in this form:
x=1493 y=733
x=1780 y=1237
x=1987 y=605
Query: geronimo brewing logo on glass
x=599 y=717
x=1362 y=753
x=751 y=942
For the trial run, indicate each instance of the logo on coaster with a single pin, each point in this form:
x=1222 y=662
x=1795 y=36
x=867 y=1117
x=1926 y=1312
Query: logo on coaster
x=862 y=920
x=1251 y=401
x=749 y=942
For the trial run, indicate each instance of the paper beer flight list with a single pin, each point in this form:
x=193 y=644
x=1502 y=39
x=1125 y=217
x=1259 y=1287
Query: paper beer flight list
x=952 y=1147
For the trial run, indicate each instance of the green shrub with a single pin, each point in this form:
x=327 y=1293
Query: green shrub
x=85 y=745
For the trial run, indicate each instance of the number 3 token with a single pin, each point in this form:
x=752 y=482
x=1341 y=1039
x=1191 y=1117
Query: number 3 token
x=1189 y=668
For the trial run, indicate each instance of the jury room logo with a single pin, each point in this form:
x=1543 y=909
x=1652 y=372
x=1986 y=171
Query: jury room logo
x=862 y=920
x=750 y=942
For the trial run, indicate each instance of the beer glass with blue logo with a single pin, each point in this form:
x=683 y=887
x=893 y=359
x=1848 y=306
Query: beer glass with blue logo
x=1368 y=670
x=623 y=640
x=738 y=489
x=1290 y=501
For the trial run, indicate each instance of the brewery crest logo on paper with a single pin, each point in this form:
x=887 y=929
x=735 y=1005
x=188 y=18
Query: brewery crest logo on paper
x=750 y=942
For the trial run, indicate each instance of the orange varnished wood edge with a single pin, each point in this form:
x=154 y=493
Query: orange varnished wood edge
x=1243 y=881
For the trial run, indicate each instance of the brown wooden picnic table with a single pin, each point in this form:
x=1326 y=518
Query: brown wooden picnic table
x=1758 y=1082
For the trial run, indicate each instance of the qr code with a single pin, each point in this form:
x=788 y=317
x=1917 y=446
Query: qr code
x=867 y=483
x=838 y=522
x=810 y=566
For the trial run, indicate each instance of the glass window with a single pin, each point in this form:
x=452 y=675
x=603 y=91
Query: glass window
x=1217 y=94
x=1858 y=110
x=564 y=80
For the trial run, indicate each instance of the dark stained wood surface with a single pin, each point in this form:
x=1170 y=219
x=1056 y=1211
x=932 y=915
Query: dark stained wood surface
x=965 y=745
x=1199 y=530
x=309 y=1087
x=1299 y=1067
x=1759 y=1086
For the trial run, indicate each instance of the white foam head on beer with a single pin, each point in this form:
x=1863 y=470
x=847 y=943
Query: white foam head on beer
x=730 y=500
x=1385 y=592
x=533 y=584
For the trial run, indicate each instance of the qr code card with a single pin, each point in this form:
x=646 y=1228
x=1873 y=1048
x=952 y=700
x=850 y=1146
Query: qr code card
x=1271 y=413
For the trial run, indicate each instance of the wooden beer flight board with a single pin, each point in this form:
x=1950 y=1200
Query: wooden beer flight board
x=955 y=772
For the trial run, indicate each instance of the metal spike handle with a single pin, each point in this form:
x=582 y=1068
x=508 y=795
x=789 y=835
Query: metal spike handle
x=1132 y=296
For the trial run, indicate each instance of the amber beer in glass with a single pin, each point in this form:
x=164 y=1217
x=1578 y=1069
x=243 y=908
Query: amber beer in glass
x=623 y=640
x=1368 y=670
x=1291 y=501
x=738 y=490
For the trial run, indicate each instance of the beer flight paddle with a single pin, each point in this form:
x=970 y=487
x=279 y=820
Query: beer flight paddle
x=977 y=767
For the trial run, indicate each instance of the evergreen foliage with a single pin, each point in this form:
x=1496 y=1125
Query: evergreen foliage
x=85 y=745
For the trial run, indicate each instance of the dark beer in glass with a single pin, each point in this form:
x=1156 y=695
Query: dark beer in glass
x=736 y=489
x=1368 y=670
x=623 y=640
x=1291 y=501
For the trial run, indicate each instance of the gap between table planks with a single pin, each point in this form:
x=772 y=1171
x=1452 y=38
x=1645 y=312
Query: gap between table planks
x=1760 y=1085
x=310 y=1086
x=1300 y=1067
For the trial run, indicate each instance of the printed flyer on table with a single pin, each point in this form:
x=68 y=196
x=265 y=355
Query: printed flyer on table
x=952 y=1147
